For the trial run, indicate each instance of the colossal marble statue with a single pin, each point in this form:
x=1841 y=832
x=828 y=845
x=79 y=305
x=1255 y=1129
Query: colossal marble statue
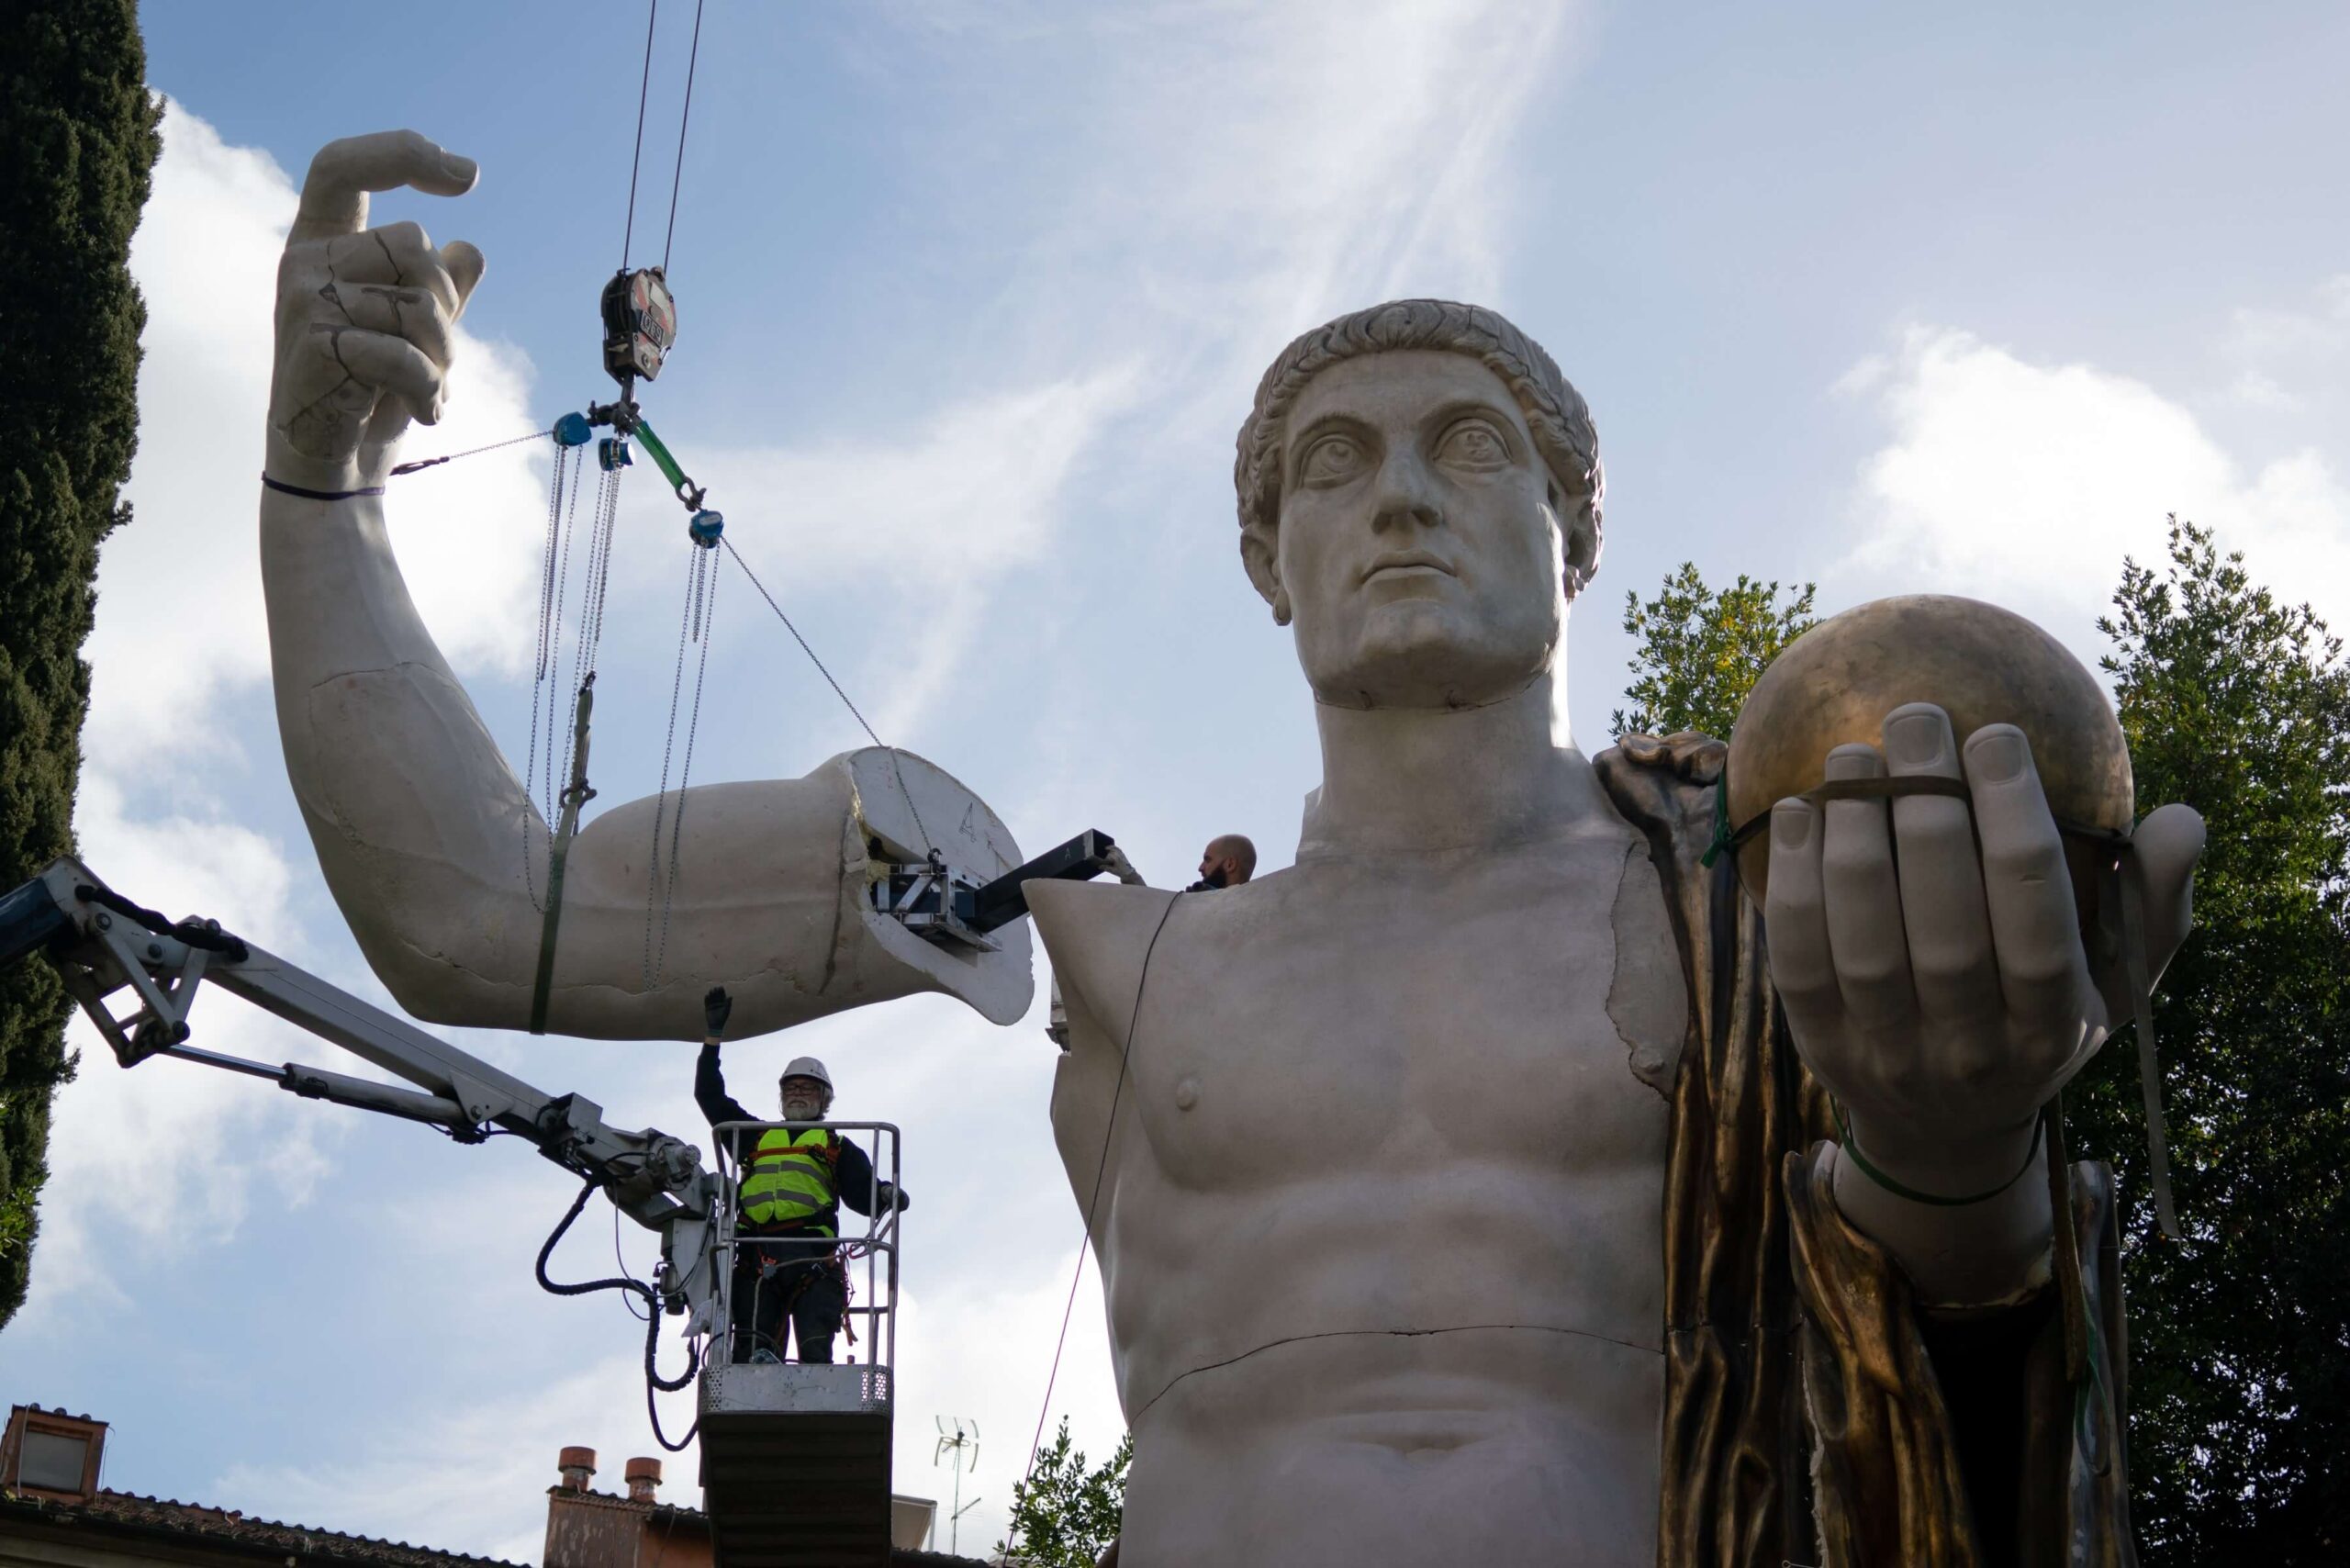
x=1438 y=1181
x=1467 y=1193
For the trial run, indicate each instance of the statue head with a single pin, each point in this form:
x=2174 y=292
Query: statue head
x=1420 y=496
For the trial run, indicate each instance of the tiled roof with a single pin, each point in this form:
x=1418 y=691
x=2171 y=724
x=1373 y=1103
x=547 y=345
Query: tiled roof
x=230 y=1528
x=677 y=1513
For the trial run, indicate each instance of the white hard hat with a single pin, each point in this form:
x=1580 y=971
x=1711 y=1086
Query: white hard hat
x=809 y=1066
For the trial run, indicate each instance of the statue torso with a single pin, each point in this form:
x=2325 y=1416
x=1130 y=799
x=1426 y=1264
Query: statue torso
x=1380 y=1225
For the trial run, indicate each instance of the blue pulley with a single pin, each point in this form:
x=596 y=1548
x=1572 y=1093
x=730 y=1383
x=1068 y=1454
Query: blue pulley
x=573 y=429
x=705 y=528
x=612 y=452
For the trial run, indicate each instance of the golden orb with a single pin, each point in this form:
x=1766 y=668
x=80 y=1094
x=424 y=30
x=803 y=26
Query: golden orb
x=1981 y=664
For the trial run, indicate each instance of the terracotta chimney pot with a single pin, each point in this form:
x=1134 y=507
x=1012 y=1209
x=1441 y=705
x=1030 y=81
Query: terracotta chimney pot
x=578 y=1467
x=644 y=1478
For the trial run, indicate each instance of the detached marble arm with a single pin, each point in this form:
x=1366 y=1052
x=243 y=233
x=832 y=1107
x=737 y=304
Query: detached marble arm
x=434 y=852
x=429 y=843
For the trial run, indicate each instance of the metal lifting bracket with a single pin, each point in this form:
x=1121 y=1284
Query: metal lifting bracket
x=943 y=904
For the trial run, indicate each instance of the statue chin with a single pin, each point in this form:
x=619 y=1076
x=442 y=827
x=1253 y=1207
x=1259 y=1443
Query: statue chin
x=1425 y=658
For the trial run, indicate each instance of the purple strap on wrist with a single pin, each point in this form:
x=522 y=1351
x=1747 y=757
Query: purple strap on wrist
x=280 y=485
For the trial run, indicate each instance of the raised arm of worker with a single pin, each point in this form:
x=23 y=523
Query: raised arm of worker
x=710 y=1079
x=854 y=1176
x=429 y=843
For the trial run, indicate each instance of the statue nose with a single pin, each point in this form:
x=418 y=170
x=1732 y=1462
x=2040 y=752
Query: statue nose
x=1405 y=495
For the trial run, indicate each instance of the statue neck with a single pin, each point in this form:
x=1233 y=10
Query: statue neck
x=1416 y=779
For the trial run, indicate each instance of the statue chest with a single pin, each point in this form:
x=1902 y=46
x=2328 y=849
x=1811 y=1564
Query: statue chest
x=1437 y=1013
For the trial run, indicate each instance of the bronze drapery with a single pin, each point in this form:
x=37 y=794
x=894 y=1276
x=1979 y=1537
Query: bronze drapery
x=1805 y=1419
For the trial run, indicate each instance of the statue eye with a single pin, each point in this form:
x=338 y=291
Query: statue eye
x=1473 y=444
x=1332 y=460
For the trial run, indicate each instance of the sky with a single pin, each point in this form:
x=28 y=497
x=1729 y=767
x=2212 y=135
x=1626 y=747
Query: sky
x=972 y=299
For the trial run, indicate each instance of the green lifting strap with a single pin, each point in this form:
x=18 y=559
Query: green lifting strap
x=575 y=794
x=687 y=490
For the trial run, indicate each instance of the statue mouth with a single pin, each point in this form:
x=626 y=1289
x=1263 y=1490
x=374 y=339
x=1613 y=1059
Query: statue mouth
x=1408 y=563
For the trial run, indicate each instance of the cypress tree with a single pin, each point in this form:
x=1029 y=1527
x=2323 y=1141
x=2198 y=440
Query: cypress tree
x=2238 y=702
x=81 y=134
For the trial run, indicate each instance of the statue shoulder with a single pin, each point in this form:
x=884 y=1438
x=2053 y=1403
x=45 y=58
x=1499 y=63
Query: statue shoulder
x=1098 y=937
x=1665 y=786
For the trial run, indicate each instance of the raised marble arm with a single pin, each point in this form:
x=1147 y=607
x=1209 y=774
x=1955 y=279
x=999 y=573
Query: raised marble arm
x=1931 y=963
x=429 y=843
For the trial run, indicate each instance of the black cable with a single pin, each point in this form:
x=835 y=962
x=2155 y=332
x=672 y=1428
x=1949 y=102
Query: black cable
x=469 y=452
x=1125 y=1054
x=621 y=1263
x=629 y=232
x=796 y=637
x=678 y=175
x=189 y=931
x=654 y=1411
x=589 y=1287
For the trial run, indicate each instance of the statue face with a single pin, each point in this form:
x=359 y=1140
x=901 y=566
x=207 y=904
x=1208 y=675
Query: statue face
x=1419 y=546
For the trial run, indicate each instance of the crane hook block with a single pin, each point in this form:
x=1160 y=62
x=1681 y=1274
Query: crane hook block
x=573 y=429
x=612 y=452
x=639 y=324
x=706 y=527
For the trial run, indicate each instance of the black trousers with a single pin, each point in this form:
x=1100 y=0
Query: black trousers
x=794 y=1286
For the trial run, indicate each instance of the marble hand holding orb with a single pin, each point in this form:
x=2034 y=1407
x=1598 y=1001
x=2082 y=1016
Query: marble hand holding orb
x=432 y=847
x=1937 y=979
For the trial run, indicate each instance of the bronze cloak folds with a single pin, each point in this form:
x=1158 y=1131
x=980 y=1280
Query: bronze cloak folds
x=1814 y=1412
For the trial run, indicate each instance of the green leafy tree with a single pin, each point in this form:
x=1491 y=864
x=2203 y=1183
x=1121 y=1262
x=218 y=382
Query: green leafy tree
x=79 y=130
x=2240 y=1337
x=1701 y=651
x=1064 y=1516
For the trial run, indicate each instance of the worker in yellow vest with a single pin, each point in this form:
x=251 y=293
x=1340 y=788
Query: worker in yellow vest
x=788 y=1272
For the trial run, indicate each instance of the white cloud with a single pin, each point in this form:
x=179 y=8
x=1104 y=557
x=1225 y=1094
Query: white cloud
x=2027 y=483
x=1267 y=167
x=936 y=520
x=179 y=591
x=167 y=1157
x=473 y=1479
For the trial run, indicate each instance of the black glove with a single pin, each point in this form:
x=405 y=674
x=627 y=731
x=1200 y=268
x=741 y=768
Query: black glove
x=895 y=1196
x=716 y=1008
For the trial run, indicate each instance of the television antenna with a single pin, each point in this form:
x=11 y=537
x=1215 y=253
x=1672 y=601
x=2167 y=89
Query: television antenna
x=958 y=1444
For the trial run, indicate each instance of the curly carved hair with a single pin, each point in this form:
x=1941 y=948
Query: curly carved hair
x=1555 y=412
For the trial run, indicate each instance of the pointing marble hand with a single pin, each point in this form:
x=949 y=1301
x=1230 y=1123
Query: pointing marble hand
x=1932 y=966
x=364 y=315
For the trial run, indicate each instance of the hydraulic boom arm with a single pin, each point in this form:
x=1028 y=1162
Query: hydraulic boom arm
x=103 y=943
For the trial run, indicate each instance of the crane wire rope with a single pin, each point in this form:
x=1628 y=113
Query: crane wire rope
x=701 y=606
x=587 y=629
x=554 y=570
x=929 y=844
x=1101 y=1168
x=677 y=175
x=470 y=451
x=636 y=158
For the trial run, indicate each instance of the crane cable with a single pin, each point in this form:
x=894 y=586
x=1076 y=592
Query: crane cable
x=1101 y=1168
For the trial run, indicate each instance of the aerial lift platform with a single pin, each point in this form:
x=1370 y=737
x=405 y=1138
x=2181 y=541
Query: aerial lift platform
x=795 y=1458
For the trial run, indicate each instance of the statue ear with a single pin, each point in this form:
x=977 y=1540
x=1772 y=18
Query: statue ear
x=1256 y=554
x=1578 y=520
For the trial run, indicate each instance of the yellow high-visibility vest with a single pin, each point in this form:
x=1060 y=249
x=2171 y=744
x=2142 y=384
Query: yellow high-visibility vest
x=791 y=1177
